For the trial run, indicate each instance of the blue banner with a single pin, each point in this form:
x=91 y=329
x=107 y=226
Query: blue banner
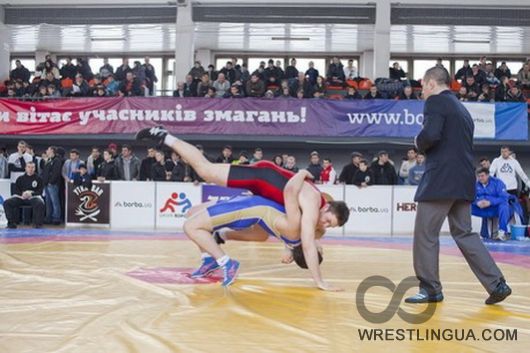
x=219 y=193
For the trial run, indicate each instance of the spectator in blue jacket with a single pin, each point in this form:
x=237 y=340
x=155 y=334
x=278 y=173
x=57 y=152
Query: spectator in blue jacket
x=492 y=201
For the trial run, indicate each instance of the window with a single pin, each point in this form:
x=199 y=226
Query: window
x=27 y=63
x=514 y=66
x=422 y=65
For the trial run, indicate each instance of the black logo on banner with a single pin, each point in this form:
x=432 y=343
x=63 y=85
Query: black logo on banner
x=89 y=205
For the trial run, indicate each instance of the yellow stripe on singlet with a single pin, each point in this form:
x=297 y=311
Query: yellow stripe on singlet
x=267 y=214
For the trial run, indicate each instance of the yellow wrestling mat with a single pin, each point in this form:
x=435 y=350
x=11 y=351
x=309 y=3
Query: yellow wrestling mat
x=129 y=295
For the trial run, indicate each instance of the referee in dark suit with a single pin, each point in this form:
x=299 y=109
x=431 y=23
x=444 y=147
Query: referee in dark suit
x=446 y=191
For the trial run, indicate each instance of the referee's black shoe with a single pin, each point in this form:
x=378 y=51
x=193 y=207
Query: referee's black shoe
x=501 y=292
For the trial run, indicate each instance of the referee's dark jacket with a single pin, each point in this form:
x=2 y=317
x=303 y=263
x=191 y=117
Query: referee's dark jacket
x=447 y=140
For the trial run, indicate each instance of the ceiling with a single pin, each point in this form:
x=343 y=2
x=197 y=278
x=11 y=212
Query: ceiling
x=257 y=37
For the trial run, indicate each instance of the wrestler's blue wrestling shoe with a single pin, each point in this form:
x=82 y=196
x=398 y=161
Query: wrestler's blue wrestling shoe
x=230 y=271
x=208 y=266
x=424 y=297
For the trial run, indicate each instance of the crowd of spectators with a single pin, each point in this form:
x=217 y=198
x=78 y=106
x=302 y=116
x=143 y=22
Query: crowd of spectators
x=50 y=81
x=480 y=82
x=55 y=166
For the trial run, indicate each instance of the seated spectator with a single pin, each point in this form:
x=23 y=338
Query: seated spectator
x=335 y=74
x=314 y=166
x=328 y=175
x=226 y=155
x=407 y=94
x=352 y=93
x=197 y=71
x=84 y=69
x=131 y=86
x=111 y=86
x=222 y=85
x=260 y=71
x=492 y=201
x=158 y=169
x=212 y=73
x=515 y=95
x=190 y=85
x=478 y=75
x=212 y=93
x=290 y=164
x=52 y=92
x=83 y=178
x=501 y=91
x=106 y=70
x=80 y=87
x=203 y=85
x=416 y=172
x=68 y=70
x=272 y=74
x=319 y=89
x=300 y=94
x=20 y=89
x=472 y=87
x=107 y=170
x=181 y=90
x=301 y=84
x=373 y=93
x=396 y=72
x=462 y=94
x=312 y=74
x=28 y=192
x=503 y=70
x=20 y=72
x=228 y=72
x=384 y=172
x=485 y=95
x=291 y=72
x=285 y=93
x=100 y=91
x=234 y=92
x=122 y=70
x=349 y=170
x=269 y=94
x=243 y=159
x=40 y=93
x=278 y=160
x=50 y=67
x=350 y=71
x=50 y=80
x=523 y=77
x=255 y=86
x=407 y=164
x=363 y=176
x=464 y=71
x=257 y=155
